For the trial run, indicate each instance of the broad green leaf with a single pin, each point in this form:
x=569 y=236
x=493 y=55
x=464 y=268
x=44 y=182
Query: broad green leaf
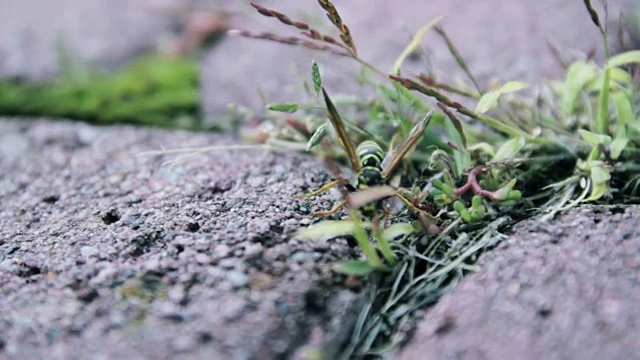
x=598 y=191
x=621 y=77
x=317 y=136
x=488 y=101
x=328 y=229
x=315 y=77
x=617 y=145
x=413 y=45
x=509 y=149
x=484 y=147
x=355 y=268
x=513 y=86
x=594 y=139
x=600 y=174
x=579 y=74
x=283 y=107
x=396 y=230
x=623 y=107
x=624 y=59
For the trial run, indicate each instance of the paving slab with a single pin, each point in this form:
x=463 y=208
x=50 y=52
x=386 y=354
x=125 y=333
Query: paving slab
x=108 y=254
x=567 y=289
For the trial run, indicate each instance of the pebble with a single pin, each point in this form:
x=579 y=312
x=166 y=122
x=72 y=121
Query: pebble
x=89 y=251
x=8 y=266
x=222 y=250
x=303 y=256
x=237 y=279
x=261 y=226
x=183 y=343
x=253 y=250
x=256 y=181
x=229 y=263
x=202 y=259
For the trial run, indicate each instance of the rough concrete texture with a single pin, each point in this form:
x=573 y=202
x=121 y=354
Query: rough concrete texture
x=33 y=33
x=107 y=254
x=502 y=38
x=568 y=289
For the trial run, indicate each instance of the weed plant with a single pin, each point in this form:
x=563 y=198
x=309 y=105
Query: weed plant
x=517 y=151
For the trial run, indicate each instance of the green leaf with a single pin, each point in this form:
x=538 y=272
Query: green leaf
x=621 y=77
x=624 y=59
x=623 y=107
x=490 y=99
x=579 y=74
x=317 y=136
x=315 y=76
x=509 y=149
x=617 y=146
x=328 y=229
x=484 y=147
x=396 y=230
x=355 y=268
x=594 y=139
x=598 y=191
x=413 y=45
x=600 y=174
x=283 y=107
x=601 y=123
x=463 y=212
x=513 y=86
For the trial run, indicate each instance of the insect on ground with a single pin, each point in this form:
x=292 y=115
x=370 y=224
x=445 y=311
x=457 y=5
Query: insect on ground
x=373 y=169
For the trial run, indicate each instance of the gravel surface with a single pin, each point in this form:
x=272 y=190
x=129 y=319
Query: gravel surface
x=106 y=253
x=568 y=289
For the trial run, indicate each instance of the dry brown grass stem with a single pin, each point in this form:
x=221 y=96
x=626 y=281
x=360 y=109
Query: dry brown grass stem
x=334 y=17
x=456 y=54
x=431 y=92
x=290 y=40
x=430 y=81
x=308 y=31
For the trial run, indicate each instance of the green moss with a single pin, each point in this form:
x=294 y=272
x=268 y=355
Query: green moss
x=154 y=90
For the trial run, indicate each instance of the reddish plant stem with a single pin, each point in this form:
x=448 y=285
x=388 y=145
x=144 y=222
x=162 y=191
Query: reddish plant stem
x=472 y=183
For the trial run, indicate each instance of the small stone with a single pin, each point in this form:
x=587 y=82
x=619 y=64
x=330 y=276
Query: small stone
x=262 y=281
x=183 y=344
x=261 y=226
x=89 y=251
x=237 y=279
x=298 y=183
x=303 y=256
x=202 y=259
x=152 y=264
x=8 y=266
x=176 y=294
x=255 y=181
x=228 y=263
x=253 y=250
x=222 y=251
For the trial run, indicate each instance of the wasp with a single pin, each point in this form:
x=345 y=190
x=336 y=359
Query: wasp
x=369 y=162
